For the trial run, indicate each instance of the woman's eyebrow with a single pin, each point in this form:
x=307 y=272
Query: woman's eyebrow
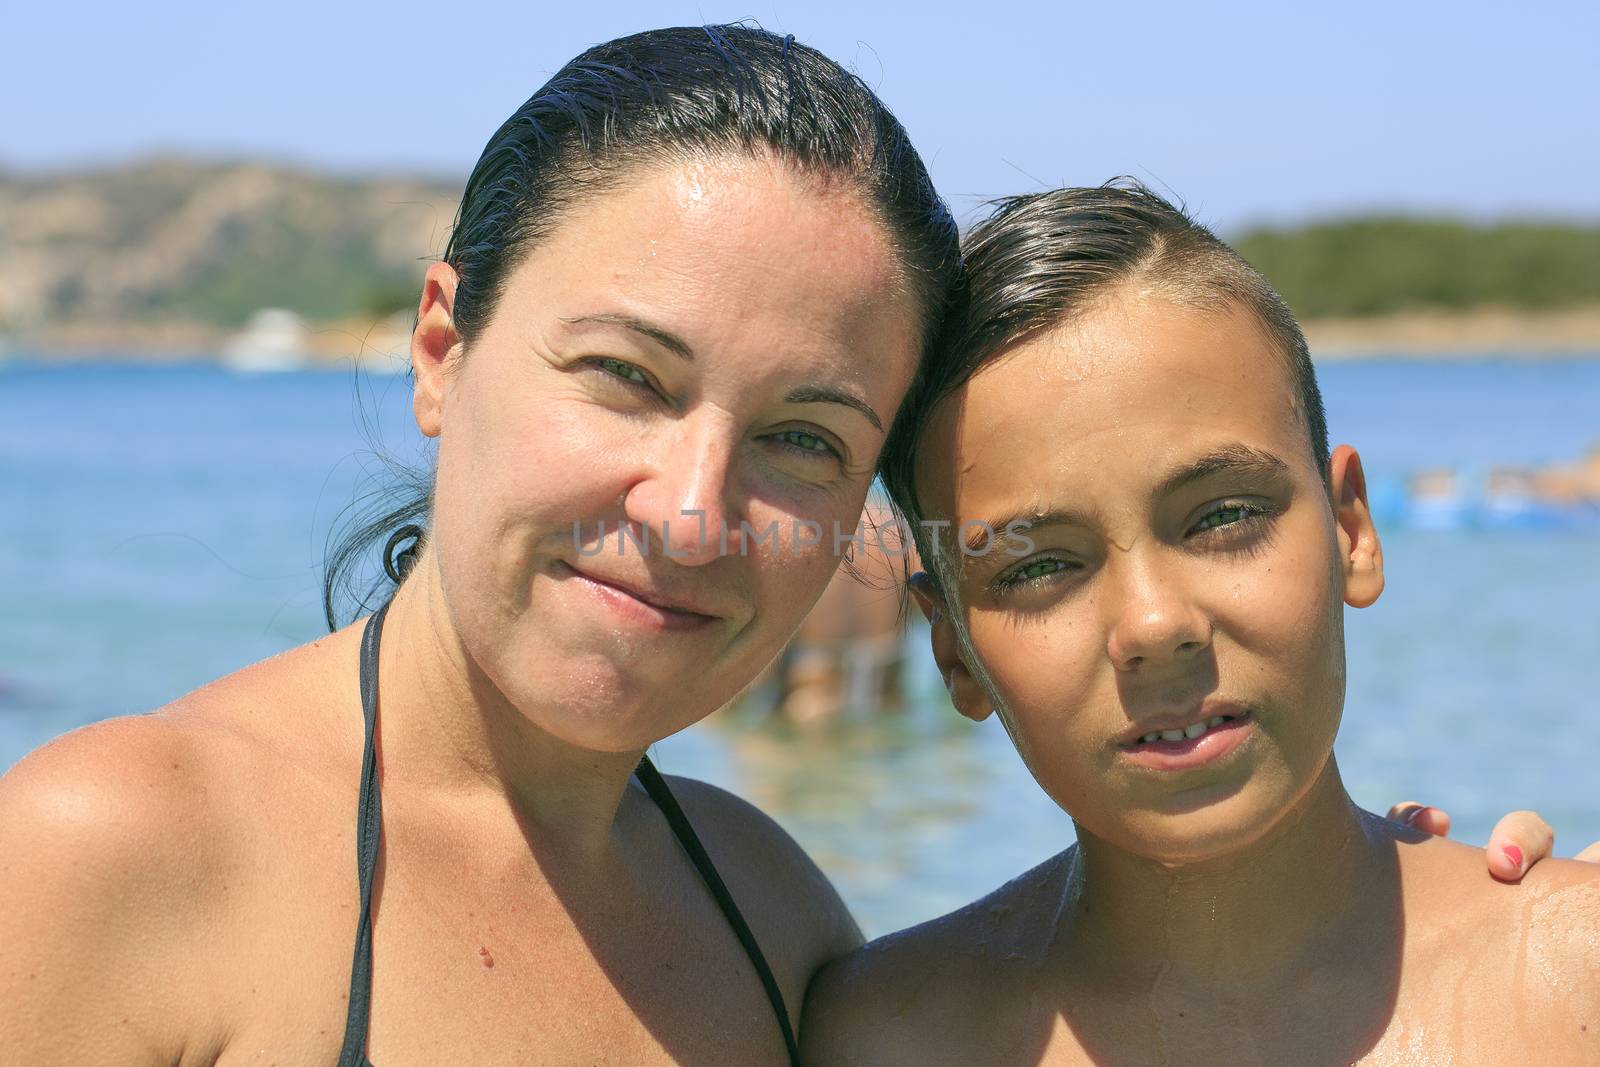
x=670 y=341
x=1229 y=459
x=810 y=394
x=821 y=394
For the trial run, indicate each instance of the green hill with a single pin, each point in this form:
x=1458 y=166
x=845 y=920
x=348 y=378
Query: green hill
x=1370 y=266
x=171 y=242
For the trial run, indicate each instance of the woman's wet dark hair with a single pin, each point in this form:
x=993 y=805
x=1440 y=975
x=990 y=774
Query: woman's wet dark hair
x=655 y=97
x=1039 y=259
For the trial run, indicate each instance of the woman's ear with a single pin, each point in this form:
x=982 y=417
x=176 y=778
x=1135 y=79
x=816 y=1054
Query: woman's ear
x=965 y=692
x=1360 y=554
x=433 y=345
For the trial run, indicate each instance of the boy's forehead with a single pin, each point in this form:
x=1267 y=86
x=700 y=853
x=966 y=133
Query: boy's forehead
x=1133 y=383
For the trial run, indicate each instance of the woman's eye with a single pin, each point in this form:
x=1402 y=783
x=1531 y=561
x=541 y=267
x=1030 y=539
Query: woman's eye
x=805 y=441
x=619 y=368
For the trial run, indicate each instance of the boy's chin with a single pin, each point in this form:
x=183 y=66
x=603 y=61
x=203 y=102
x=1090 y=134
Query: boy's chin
x=1204 y=827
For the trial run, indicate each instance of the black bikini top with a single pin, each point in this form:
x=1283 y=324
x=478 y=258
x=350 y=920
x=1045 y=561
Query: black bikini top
x=369 y=831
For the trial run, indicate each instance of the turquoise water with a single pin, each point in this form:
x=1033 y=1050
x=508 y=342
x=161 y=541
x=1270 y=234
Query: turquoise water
x=160 y=526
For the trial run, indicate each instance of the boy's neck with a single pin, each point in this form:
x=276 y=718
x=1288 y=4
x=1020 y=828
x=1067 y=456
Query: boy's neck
x=1316 y=888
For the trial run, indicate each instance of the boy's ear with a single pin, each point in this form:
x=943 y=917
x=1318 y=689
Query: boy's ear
x=433 y=344
x=1359 y=552
x=965 y=692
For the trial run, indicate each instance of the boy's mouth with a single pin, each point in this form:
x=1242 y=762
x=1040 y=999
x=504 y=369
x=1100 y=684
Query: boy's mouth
x=1193 y=730
x=1179 y=746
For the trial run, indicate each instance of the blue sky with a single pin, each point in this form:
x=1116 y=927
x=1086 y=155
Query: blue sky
x=1247 y=111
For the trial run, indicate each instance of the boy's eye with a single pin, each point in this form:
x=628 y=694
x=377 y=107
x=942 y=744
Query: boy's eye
x=1232 y=519
x=1032 y=573
x=1226 y=515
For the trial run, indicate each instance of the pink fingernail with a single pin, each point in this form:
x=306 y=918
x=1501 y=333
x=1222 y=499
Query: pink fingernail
x=1514 y=854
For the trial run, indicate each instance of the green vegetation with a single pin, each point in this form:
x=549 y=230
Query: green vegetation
x=1375 y=265
x=172 y=241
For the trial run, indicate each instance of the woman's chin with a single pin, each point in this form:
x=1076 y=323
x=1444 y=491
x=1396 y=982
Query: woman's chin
x=604 y=710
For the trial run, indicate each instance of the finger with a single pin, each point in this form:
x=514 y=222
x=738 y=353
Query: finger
x=1590 y=854
x=1431 y=820
x=1519 y=840
x=1428 y=819
x=1404 y=811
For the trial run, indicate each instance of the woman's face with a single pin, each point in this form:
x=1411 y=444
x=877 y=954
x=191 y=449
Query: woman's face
x=681 y=395
x=1185 y=567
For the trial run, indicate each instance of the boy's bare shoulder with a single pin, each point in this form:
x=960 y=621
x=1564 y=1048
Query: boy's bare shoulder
x=1549 y=921
x=952 y=990
x=1562 y=908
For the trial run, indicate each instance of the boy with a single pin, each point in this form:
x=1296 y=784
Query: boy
x=1149 y=550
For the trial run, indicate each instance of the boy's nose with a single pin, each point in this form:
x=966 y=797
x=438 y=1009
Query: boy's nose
x=684 y=498
x=1155 y=622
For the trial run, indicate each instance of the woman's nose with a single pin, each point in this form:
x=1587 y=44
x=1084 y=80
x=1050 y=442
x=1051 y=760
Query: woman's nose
x=684 y=500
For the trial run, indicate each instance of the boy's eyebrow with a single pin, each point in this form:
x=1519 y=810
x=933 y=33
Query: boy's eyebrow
x=1030 y=518
x=1229 y=459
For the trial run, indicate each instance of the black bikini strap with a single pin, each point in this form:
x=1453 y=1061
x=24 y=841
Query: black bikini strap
x=656 y=786
x=369 y=830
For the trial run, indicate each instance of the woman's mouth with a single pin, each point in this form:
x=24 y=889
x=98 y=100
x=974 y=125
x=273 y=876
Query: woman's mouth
x=636 y=606
x=1192 y=744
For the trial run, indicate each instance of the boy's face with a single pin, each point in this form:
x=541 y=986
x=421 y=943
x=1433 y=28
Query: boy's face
x=1186 y=566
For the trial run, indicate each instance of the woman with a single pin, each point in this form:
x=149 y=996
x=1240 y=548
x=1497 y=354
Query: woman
x=690 y=283
x=689 y=286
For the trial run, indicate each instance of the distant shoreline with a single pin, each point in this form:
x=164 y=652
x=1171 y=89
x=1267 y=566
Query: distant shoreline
x=1479 y=333
x=1486 y=332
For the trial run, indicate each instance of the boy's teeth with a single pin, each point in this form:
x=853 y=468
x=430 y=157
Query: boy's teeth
x=1190 y=732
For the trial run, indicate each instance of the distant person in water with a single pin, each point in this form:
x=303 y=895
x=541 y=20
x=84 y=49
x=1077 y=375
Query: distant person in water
x=849 y=654
x=1152 y=550
x=1570 y=483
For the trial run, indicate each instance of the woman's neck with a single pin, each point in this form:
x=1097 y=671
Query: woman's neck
x=1315 y=888
x=445 y=728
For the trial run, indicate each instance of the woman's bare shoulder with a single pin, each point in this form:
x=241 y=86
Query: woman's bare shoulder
x=939 y=991
x=129 y=849
x=795 y=912
x=155 y=799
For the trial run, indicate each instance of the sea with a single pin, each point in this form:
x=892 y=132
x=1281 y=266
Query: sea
x=161 y=525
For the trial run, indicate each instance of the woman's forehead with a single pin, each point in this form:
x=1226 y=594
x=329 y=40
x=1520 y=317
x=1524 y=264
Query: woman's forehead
x=744 y=235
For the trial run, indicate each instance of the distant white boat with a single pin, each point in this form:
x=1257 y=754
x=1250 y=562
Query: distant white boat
x=274 y=340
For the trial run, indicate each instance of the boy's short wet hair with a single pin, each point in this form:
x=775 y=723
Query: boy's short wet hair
x=1041 y=259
